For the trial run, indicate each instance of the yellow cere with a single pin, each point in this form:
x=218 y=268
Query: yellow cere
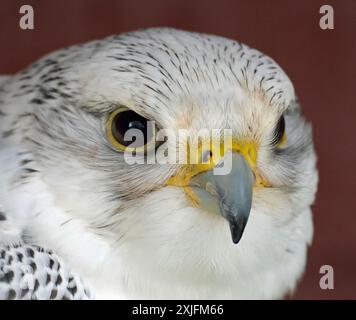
x=195 y=166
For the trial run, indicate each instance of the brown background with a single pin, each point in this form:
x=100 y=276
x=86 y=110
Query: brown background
x=320 y=63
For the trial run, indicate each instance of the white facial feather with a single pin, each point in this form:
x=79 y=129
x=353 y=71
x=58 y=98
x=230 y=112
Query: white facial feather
x=118 y=225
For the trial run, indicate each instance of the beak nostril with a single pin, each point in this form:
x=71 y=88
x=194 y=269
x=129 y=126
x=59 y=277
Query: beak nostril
x=207 y=156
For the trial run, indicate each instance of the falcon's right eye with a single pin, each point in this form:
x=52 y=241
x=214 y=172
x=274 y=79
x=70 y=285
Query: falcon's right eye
x=127 y=129
x=279 y=135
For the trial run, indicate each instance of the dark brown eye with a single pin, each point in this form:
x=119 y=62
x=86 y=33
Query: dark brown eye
x=119 y=125
x=279 y=135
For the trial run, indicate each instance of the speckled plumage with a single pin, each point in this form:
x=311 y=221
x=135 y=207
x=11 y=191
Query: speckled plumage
x=63 y=186
x=32 y=273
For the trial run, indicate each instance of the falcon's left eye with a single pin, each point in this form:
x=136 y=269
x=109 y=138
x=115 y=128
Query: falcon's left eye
x=127 y=129
x=279 y=135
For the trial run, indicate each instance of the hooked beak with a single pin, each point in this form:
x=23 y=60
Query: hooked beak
x=230 y=194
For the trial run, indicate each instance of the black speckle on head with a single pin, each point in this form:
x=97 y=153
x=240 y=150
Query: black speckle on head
x=25 y=161
x=8 y=133
x=2 y=216
x=288 y=250
x=36 y=101
x=30 y=170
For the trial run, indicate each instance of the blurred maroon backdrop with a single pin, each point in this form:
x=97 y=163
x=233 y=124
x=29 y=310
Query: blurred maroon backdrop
x=321 y=64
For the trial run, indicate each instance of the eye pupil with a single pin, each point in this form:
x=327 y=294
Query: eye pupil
x=126 y=120
x=279 y=131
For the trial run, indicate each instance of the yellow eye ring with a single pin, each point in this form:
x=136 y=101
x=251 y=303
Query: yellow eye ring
x=139 y=140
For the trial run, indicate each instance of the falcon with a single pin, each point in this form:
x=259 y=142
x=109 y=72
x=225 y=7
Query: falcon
x=80 y=177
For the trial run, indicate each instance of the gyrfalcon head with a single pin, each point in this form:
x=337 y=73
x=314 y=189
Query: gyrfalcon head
x=176 y=224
